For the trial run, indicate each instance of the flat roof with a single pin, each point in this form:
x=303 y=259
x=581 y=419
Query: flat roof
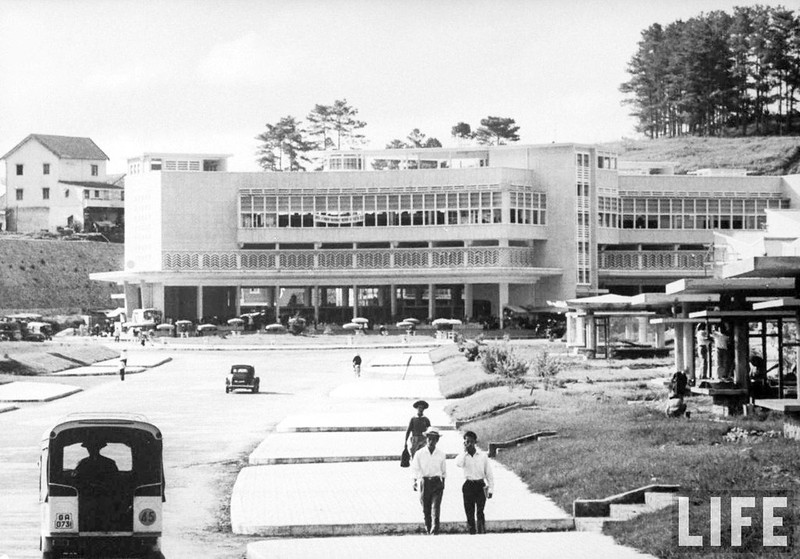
x=776 y=286
x=764 y=267
x=782 y=303
x=669 y=299
x=744 y=313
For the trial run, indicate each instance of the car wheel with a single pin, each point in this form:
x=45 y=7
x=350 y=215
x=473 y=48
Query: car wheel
x=255 y=388
x=227 y=390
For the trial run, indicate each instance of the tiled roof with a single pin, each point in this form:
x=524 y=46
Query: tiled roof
x=94 y=184
x=65 y=147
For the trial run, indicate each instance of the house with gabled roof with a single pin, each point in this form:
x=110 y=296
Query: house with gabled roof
x=60 y=182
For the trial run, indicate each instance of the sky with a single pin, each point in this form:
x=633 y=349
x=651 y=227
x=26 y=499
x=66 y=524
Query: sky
x=206 y=76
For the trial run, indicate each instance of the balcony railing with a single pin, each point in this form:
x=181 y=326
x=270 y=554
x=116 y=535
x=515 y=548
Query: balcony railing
x=654 y=260
x=351 y=259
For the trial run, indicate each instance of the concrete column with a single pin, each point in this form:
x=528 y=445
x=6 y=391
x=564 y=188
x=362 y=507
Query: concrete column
x=277 y=298
x=678 y=345
x=345 y=296
x=468 y=300
x=393 y=300
x=741 y=353
x=688 y=344
x=591 y=335
x=355 y=301
x=315 y=301
x=199 y=302
x=307 y=296
x=502 y=300
x=580 y=330
x=642 y=329
x=570 y=328
x=660 y=328
x=431 y=301
x=238 y=300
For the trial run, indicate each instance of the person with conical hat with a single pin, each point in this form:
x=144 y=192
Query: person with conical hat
x=415 y=434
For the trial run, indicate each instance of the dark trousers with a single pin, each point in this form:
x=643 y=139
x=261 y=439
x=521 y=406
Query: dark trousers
x=430 y=495
x=474 y=501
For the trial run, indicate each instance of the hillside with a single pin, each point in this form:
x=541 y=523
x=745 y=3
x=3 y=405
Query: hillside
x=53 y=275
x=766 y=155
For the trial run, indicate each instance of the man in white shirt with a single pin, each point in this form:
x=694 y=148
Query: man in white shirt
x=429 y=470
x=478 y=483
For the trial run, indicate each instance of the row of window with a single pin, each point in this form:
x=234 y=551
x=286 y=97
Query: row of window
x=348 y=210
x=685 y=213
x=20 y=194
x=95 y=169
x=603 y=161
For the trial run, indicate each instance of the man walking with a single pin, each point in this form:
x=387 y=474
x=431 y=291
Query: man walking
x=478 y=482
x=123 y=362
x=429 y=470
x=357 y=365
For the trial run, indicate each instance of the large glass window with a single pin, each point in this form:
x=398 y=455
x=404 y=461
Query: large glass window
x=694 y=213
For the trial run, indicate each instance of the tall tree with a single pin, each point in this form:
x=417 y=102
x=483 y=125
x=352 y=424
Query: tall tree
x=420 y=140
x=497 y=130
x=462 y=131
x=345 y=125
x=321 y=122
x=283 y=146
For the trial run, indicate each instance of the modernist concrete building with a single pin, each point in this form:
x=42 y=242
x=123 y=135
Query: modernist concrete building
x=60 y=181
x=428 y=233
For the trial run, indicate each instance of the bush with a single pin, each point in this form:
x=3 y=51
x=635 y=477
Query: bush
x=502 y=360
x=546 y=368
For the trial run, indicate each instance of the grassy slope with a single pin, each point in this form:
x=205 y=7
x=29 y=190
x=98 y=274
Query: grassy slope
x=52 y=274
x=606 y=445
x=759 y=155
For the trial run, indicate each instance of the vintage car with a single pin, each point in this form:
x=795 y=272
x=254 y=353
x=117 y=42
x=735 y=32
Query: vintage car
x=101 y=487
x=242 y=377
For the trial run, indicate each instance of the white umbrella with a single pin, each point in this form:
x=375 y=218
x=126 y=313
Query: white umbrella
x=164 y=327
x=412 y=320
x=235 y=321
x=352 y=326
x=455 y=322
x=275 y=327
x=183 y=322
x=206 y=327
x=439 y=321
x=404 y=324
x=360 y=320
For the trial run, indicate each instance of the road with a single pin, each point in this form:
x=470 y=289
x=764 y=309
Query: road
x=207 y=437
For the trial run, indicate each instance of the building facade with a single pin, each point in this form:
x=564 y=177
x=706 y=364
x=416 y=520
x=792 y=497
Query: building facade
x=61 y=181
x=425 y=233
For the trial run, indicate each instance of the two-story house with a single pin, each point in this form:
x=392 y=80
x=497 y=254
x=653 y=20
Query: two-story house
x=57 y=182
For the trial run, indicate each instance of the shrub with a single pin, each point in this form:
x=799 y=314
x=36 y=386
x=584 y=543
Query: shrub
x=502 y=360
x=546 y=368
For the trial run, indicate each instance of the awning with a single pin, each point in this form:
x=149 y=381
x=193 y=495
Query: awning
x=516 y=309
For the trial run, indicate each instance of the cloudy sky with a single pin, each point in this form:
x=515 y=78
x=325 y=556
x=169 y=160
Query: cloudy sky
x=207 y=75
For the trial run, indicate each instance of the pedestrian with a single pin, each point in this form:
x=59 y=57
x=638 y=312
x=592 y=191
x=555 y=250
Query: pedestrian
x=357 y=365
x=478 y=482
x=429 y=469
x=415 y=434
x=123 y=363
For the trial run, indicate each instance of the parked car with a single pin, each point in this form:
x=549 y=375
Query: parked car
x=10 y=332
x=242 y=377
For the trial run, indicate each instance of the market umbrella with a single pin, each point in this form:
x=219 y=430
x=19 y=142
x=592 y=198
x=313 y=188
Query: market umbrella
x=404 y=324
x=183 y=322
x=276 y=327
x=411 y=320
x=206 y=327
x=360 y=320
x=351 y=326
x=455 y=322
x=440 y=321
x=235 y=321
x=165 y=327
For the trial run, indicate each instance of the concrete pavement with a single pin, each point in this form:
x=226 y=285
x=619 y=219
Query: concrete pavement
x=552 y=545
x=35 y=391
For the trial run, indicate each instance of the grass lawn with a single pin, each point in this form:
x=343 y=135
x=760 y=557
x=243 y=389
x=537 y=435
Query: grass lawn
x=613 y=436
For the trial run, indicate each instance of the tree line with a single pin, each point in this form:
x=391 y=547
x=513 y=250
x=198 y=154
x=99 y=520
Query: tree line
x=718 y=74
x=284 y=145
